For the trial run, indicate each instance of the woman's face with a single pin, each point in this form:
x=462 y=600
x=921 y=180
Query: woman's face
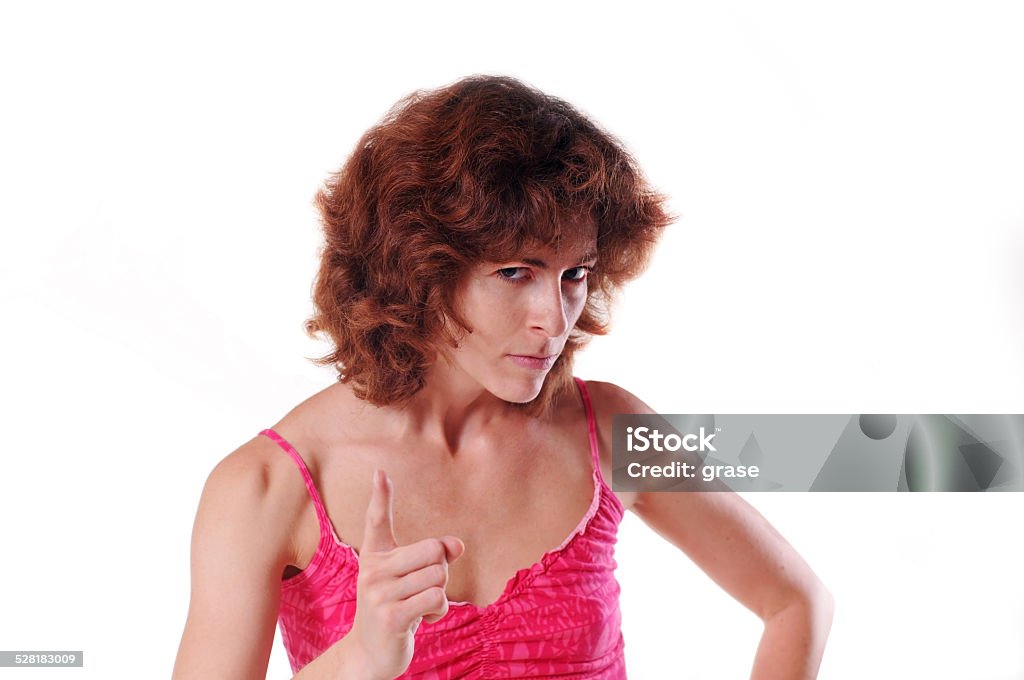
x=520 y=313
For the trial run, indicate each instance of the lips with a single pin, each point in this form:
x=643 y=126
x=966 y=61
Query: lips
x=534 y=363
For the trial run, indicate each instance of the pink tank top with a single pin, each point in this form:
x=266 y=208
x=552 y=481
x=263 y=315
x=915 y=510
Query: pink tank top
x=557 y=618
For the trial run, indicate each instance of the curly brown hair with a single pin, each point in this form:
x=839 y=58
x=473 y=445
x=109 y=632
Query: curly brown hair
x=472 y=172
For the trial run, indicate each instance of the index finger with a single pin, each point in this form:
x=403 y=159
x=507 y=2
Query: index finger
x=379 y=534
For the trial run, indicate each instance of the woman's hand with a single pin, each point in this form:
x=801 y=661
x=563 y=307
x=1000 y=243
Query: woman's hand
x=398 y=587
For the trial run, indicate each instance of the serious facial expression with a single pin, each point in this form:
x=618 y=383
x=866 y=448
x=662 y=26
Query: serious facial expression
x=520 y=313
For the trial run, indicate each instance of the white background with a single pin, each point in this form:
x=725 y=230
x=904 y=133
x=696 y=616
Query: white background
x=849 y=185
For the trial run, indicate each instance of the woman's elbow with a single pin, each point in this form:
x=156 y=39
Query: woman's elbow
x=818 y=605
x=812 y=600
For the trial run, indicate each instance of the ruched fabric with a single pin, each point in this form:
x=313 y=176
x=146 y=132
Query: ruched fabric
x=558 y=618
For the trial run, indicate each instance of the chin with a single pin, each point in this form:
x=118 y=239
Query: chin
x=519 y=392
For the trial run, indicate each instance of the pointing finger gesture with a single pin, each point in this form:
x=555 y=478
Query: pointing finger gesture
x=398 y=586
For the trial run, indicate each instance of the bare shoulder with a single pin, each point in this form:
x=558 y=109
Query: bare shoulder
x=256 y=489
x=331 y=416
x=258 y=470
x=609 y=400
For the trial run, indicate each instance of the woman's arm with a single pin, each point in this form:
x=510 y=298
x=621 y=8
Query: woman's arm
x=240 y=546
x=242 y=542
x=742 y=553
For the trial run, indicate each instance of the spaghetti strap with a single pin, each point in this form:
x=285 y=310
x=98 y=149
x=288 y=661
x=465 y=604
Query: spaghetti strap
x=588 y=407
x=326 y=528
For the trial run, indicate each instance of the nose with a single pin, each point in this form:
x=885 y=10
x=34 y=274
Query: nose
x=549 y=313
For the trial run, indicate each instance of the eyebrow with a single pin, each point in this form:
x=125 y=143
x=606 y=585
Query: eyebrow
x=534 y=262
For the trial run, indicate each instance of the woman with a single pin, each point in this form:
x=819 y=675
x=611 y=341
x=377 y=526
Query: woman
x=441 y=511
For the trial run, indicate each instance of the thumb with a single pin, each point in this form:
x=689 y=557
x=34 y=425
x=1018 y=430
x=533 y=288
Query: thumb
x=453 y=548
x=379 y=534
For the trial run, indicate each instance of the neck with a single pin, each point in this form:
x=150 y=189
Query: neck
x=452 y=410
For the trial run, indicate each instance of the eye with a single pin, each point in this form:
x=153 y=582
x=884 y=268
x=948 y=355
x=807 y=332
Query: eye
x=512 y=273
x=576 y=274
